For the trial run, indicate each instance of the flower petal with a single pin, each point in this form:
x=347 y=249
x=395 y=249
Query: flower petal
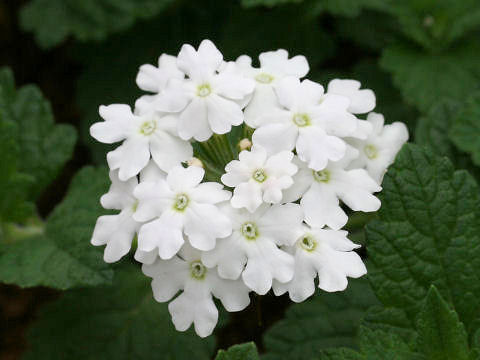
x=130 y=157
x=222 y=114
x=118 y=125
x=193 y=121
x=183 y=179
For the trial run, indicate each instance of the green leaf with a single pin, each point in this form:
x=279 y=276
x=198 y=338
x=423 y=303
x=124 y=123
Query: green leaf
x=268 y=3
x=441 y=336
x=54 y=20
x=121 y=321
x=326 y=320
x=427 y=232
x=425 y=78
x=391 y=320
x=465 y=132
x=348 y=8
x=43 y=146
x=432 y=129
x=63 y=258
x=13 y=185
x=247 y=351
x=378 y=344
x=340 y=354
x=435 y=24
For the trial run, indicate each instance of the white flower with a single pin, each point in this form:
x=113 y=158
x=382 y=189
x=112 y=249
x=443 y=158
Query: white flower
x=117 y=231
x=180 y=205
x=257 y=178
x=208 y=100
x=307 y=120
x=188 y=274
x=274 y=66
x=154 y=79
x=150 y=133
x=326 y=253
x=379 y=149
x=320 y=192
x=361 y=101
x=252 y=249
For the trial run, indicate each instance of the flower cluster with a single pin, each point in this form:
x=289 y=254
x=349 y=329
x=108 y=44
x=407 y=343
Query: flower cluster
x=275 y=220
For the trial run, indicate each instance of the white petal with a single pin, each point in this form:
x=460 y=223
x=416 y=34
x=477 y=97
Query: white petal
x=169 y=151
x=288 y=91
x=152 y=172
x=130 y=157
x=281 y=164
x=231 y=85
x=154 y=79
x=153 y=198
x=228 y=255
x=198 y=64
x=210 y=193
x=117 y=231
x=204 y=223
x=302 y=285
x=268 y=137
x=146 y=257
x=193 y=121
x=232 y=294
x=302 y=181
x=236 y=172
x=263 y=101
x=321 y=207
x=183 y=179
x=282 y=223
x=168 y=276
x=361 y=101
x=315 y=147
x=278 y=62
x=355 y=188
x=164 y=233
x=247 y=195
x=120 y=193
x=222 y=114
x=118 y=125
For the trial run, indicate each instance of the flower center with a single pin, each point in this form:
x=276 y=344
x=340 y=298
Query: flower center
x=322 y=176
x=308 y=243
x=197 y=270
x=148 y=127
x=204 y=90
x=264 y=78
x=249 y=230
x=181 y=202
x=371 y=151
x=301 y=120
x=259 y=175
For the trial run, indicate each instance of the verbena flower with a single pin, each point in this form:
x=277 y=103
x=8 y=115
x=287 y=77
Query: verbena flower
x=259 y=178
x=321 y=192
x=323 y=253
x=180 y=205
x=307 y=120
x=252 y=250
x=207 y=100
x=151 y=134
x=379 y=149
x=186 y=272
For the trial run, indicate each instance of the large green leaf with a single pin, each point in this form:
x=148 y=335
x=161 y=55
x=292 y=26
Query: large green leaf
x=326 y=320
x=121 y=321
x=62 y=258
x=43 y=146
x=425 y=78
x=54 y=20
x=427 y=233
x=465 y=131
x=269 y=3
x=441 y=336
x=247 y=351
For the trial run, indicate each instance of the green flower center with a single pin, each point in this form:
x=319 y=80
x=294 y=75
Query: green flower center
x=204 y=90
x=371 y=151
x=148 y=127
x=308 y=243
x=197 y=270
x=249 y=231
x=264 y=78
x=301 y=120
x=181 y=202
x=259 y=175
x=322 y=176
